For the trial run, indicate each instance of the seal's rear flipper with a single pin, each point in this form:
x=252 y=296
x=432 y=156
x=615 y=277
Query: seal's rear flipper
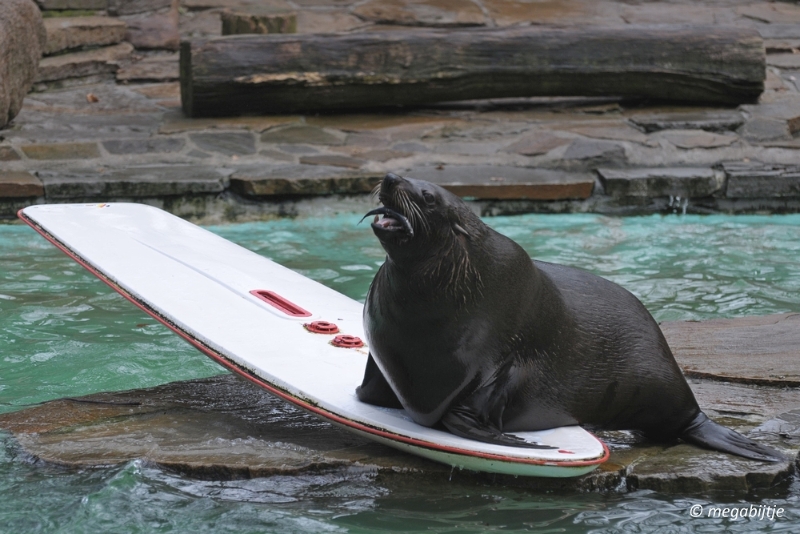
x=706 y=433
x=462 y=422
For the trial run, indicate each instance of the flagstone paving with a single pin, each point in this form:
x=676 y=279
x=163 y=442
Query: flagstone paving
x=102 y=106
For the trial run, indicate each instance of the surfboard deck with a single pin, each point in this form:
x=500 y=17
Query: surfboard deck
x=273 y=326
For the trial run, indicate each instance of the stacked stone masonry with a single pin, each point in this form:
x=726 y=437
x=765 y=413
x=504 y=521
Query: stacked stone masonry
x=104 y=120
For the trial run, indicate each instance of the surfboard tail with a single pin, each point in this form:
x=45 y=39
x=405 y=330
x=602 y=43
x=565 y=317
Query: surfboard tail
x=706 y=433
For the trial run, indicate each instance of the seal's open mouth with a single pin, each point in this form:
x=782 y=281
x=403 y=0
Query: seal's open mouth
x=392 y=221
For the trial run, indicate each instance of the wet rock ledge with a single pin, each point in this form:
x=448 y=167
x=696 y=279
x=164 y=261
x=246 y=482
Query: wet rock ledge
x=226 y=428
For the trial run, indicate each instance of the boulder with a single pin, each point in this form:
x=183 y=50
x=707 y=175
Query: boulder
x=22 y=39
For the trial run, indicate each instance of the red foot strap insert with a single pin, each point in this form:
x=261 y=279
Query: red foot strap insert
x=277 y=301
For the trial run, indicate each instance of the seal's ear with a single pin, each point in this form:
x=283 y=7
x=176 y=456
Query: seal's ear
x=458 y=228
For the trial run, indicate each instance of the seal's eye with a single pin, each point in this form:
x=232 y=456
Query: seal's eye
x=429 y=198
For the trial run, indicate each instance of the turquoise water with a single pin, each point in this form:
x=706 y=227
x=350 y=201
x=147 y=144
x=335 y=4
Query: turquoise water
x=64 y=333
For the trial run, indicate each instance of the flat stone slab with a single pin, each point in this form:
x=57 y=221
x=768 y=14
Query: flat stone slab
x=67 y=33
x=72 y=4
x=151 y=69
x=224 y=428
x=784 y=61
x=83 y=64
x=591 y=152
x=758 y=180
x=132 y=7
x=154 y=30
x=686 y=182
x=177 y=123
x=228 y=143
x=144 y=146
x=302 y=180
x=133 y=182
x=751 y=350
x=709 y=120
x=57 y=151
x=503 y=182
x=19 y=184
x=422 y=12
x=303 y=133
x=7 y=153
x=690 y=139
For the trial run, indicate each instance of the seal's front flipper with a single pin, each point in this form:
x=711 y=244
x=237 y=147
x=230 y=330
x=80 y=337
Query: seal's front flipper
x=374 y=389
x=706 y=433
x=463 y=422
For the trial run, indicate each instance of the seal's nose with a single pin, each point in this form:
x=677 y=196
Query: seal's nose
x=391 y=180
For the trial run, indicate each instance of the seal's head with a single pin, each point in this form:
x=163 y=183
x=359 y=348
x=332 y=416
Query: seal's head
x=430 y=237
x=416 y=216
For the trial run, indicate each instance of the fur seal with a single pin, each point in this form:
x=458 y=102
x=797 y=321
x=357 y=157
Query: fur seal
x=467 y=332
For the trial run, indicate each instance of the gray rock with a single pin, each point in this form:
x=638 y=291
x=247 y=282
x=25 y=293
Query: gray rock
x=749 y=350
x=144 y=146
x=298 y=149
x=82 y=64
x=19 y=185
x=63 y=127
x=154 y=30
x=228 y=143
x=223 y=428
x=709 y=120
x=784 y=61
x=161 y=68
x=304 y=134
x=765 y=129
x=779 y=31
x=132 y=7
x=59 y=151
x=690 y=139
x=539 y=142
x=593 y=152
x=67 y=33
x=317 y=21
x=132 y=182
x=22 y=39
x=72 y=4
x=422 y=13
x=8 y=153
x=683 y=469
x=786 y=425
x=176 y=427
x=756 y=180
x=301 y=180
x=334 y=160
x=654 y=182
x=505 y=182
x=786 y=109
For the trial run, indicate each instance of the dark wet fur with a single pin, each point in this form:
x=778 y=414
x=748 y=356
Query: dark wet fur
x=467 y=332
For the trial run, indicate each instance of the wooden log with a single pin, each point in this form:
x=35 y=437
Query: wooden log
x=299 y=73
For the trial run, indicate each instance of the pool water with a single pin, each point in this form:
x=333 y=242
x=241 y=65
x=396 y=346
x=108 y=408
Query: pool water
x=65 y=333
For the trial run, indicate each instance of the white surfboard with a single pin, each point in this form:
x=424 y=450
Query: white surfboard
x=276 y=328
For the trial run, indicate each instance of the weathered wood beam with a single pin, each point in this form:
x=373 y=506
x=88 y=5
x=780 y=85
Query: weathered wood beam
x=298 y=73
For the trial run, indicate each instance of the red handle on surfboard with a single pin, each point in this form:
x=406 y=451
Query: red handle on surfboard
x=277 y=301
x=322 y=327
x=347 y=342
